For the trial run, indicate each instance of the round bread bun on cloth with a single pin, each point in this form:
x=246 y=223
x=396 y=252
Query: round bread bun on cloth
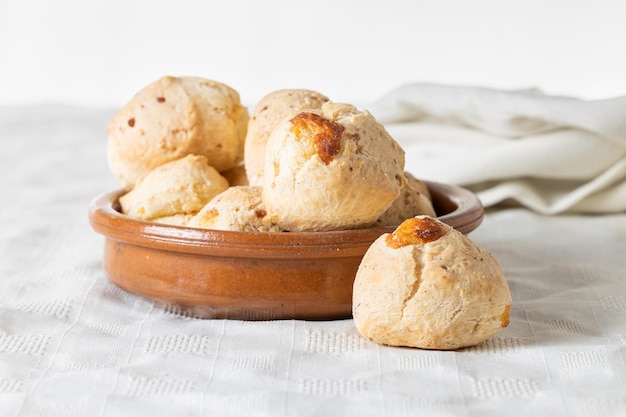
x=426 y=285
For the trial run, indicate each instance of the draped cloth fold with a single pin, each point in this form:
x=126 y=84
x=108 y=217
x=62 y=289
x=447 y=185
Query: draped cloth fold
x=551 y=154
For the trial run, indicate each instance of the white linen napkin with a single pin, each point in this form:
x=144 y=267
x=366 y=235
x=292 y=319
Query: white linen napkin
x=551 y=154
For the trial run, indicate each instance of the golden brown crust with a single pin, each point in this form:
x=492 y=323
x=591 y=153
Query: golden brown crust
x=324 y=134
x=415 y=231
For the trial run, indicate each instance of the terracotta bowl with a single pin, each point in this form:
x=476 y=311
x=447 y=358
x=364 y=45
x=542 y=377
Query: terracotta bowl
x=250 y=276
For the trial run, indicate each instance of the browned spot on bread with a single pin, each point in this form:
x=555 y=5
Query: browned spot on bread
x=356 y=138
x=504 y=318
x=161 y=99
x=353 y=136
x=210 y=214
x=325 y=134
x=260 y=213
x=131 y=122
x=415 y=231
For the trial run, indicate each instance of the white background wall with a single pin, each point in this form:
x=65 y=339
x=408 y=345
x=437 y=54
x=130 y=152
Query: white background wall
x=100 y=52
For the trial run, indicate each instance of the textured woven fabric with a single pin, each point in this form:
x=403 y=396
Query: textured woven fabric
x=73 y=344
x=550 y=154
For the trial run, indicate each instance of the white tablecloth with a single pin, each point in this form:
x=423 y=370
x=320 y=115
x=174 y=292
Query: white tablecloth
x=72 y=344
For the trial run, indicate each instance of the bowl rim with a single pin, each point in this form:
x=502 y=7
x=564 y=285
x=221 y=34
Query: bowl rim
x=461 y=209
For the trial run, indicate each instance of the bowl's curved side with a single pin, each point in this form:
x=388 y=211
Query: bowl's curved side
x=245 y=288
x=456 y=206
x=220 y=274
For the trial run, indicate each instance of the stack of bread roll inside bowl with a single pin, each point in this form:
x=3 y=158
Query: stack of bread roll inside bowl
x=189 y=154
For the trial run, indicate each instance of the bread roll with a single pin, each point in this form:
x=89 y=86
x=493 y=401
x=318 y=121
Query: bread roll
x=268 y=113
x=174 y=117
x=179 y=187
x=418 y=185
x=427 y=285
x=414 y=200
x=174 y=220
x=238 y=208
x=330 y=169
x=236 y=176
